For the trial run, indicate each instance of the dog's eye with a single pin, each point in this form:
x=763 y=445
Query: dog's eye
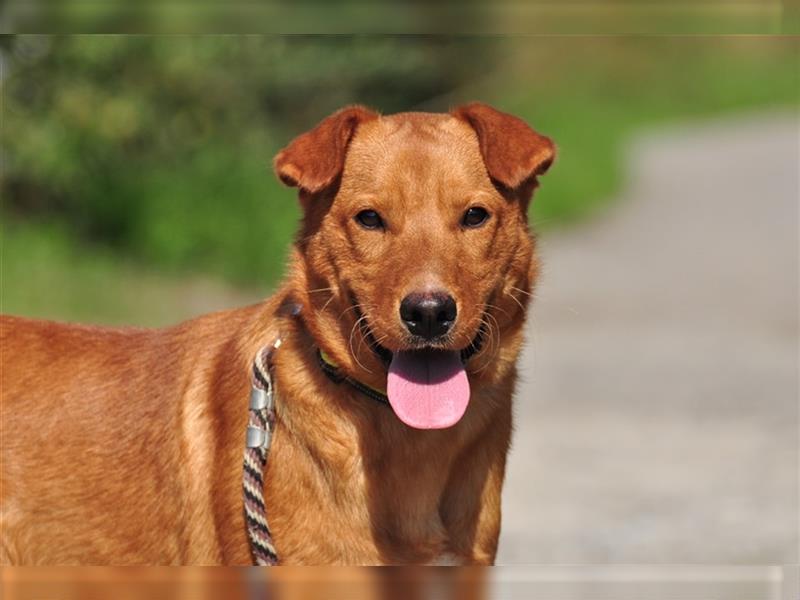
x=475 y=217
x=369 y=219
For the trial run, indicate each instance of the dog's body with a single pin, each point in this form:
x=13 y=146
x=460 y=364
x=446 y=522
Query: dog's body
x=124 y=446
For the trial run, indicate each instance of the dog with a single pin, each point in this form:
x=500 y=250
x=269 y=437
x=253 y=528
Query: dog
x=408 y=282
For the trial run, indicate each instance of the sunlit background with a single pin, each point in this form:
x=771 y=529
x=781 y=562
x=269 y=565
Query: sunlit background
x=136 y=178
x=657 y=418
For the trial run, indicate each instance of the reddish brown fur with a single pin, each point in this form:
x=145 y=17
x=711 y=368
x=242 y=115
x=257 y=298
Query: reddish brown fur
x=124 y=446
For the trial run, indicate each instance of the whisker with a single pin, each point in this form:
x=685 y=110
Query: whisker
x=360 y=307
x=327 y=302
x=493 y=306
x=467 y=341
x=489 y=356
x=515 y=299
x=487 y=347
x=537 y=223
x=350 y=343
x=520 y=290
x=496 y=330
x=494 y=339
x=363 y=338
x=382 y=338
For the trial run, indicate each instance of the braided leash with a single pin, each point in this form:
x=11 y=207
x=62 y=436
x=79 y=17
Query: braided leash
x=259 y=435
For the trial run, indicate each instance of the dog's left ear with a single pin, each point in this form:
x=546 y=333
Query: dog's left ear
x=313 y=160
x=513 y=153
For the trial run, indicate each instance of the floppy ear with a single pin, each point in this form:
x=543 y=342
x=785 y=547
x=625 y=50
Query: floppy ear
x=313 y=160
x=512 y=152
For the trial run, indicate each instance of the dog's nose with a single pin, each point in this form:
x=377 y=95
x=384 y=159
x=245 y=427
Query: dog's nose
x=428 y=315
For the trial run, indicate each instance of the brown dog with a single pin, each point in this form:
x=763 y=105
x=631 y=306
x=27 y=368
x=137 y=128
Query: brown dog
x=411 y=273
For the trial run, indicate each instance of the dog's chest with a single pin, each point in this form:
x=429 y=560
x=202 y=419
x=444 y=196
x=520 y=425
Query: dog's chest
x=344 y=501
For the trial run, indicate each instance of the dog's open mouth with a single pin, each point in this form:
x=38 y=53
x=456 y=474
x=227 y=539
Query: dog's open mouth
x=427 y=388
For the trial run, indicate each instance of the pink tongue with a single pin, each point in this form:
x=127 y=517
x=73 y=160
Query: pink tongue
x=428 y=389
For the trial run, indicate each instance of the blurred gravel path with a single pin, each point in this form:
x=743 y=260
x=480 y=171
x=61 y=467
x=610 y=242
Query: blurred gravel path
x=658 y=419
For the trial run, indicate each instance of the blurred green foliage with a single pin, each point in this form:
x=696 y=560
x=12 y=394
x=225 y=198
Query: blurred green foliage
x=591 y=94
x=127 y=154
x=160 y=147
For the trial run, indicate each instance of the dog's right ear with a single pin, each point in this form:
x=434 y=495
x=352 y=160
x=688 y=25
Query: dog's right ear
x=313 y=160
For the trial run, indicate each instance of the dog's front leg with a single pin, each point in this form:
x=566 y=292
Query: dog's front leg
x=470 y=508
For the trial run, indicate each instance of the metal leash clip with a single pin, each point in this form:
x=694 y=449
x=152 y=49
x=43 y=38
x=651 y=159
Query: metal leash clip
x=261 y=404
x=261 y=399
x=258 y=438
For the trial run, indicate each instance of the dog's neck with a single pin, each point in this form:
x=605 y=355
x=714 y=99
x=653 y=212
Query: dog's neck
x=323 y=428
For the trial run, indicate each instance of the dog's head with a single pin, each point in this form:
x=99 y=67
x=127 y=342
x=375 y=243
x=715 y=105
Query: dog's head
x=415 y=254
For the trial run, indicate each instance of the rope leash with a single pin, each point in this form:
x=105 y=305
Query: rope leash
x=260 y=427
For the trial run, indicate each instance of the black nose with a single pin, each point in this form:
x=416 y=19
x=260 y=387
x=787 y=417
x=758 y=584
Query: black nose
x=428 y=315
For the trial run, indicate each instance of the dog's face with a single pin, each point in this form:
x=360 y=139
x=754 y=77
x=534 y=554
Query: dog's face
x=415 y=245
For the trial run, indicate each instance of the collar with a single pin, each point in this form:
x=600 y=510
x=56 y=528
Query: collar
x=331 y=369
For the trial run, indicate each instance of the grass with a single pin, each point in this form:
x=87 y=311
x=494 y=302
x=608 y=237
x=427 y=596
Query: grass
x=590 y=94
x=45 y=274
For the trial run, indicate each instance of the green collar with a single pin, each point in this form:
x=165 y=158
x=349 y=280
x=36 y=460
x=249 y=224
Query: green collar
x=331 y=369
